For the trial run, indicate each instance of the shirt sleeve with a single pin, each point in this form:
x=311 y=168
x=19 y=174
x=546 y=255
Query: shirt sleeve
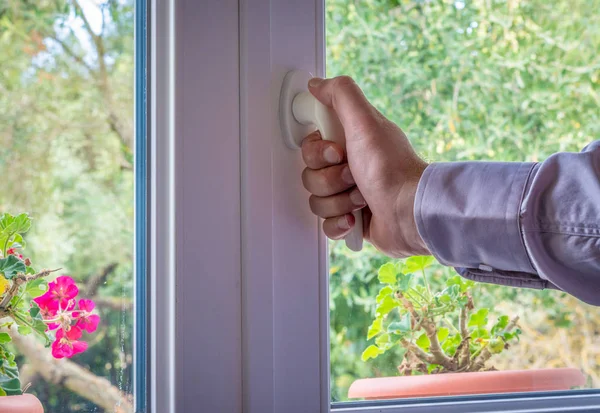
x=531 y=225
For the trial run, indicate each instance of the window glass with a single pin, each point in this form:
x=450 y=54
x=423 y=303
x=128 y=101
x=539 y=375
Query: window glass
x=511 y=80
x=66 y=160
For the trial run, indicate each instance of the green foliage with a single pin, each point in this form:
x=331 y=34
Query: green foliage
x=421 y=314
x=10 y=385
x=11 y=266
x=500 y=80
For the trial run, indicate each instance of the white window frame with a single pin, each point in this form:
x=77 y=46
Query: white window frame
x=239 y=280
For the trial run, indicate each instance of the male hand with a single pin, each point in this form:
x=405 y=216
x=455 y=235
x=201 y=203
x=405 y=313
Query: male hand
x=379 y=174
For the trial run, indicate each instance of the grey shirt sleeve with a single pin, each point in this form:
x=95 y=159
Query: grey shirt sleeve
x=520 y=224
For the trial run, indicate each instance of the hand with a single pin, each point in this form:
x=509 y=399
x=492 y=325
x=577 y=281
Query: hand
x=379 y=174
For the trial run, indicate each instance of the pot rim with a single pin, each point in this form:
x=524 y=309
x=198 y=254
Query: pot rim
x=454 y=384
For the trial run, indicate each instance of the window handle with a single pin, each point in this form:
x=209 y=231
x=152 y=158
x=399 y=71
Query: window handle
x=300 y=110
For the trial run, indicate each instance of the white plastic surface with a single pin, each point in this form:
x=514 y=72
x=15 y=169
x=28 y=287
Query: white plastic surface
x=299 y=114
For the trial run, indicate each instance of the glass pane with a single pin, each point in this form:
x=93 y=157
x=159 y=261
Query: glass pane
x=513 y=80
x=66 y=160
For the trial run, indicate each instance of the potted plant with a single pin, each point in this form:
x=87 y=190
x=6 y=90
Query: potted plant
x=31 y=305
x=447 y=344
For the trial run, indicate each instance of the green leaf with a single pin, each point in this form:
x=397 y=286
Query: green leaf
x=423 y=342
x=500 y=324
x=450 y=344
x=10 y=226
x=19 y=224
x=480 y=333
x=442 y=334
x=417 y=263
x=452 y=292
x=375 y=328
x=5 y=338
x=385 y=291
x=18 y=241
x=9 y=380
x=403 y=325
x=387 y=273
x=444 y=298
x=370 y=352
x=404 y=282
x=35 y=312
x=386 y=305
x=432 y=367
x=383 y=340
x=36 y=288
x=11 y=266
x=463 y=283
x=24 y=330
x=479 y=319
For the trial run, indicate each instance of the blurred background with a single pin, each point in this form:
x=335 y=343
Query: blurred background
x=506 y=80
x=66 y=145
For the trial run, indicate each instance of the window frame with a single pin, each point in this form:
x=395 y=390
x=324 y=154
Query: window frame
x=238 y=290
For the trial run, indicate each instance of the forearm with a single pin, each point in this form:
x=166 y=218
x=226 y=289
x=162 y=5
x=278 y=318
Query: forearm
x=518 y=224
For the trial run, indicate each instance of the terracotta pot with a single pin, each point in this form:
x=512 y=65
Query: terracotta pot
x=26 y=403
x=452 y=384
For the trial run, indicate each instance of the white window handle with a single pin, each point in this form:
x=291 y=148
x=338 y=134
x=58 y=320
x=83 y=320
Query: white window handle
x=299 y=107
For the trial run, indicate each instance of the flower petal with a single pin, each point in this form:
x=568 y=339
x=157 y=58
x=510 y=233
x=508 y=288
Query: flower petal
x=89 y=323
x=73 y=334
x=86 y=305
x=79 y=347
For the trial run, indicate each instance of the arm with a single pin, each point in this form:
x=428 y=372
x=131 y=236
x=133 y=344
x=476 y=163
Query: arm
x=517 y=224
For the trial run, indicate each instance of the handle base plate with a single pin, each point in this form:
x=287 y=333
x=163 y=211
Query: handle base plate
x=295 y=82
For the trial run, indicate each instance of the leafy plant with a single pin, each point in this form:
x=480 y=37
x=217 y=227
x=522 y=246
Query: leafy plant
x=29 y=305
x=436 y=331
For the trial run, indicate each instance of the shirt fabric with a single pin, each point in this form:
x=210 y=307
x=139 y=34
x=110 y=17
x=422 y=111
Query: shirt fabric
x=533 y=225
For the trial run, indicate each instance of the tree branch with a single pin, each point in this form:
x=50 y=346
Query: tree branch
x=95 y=281
x=115 y=122
x=114 y=303
x=463 y=352
x=79 y=59
x=430 y=329
x=17 y=281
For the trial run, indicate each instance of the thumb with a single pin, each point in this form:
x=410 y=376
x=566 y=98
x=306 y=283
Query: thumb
x=346 y=98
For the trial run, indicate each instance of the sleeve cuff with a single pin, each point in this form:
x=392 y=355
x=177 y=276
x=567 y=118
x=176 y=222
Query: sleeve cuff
x=468 y=215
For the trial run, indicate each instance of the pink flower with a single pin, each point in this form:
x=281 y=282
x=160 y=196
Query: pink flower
x=67 y=344
x=87 y=321
x=48 y=309
x=63 y=289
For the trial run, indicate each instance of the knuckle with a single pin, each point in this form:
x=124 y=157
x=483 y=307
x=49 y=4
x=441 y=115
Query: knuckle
x=344 y=82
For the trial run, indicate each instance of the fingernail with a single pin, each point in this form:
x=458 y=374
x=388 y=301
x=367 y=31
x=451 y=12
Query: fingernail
x=331 y=155
x=343 y=223
x=314 y=82
x=347 y=176
x=357 y=198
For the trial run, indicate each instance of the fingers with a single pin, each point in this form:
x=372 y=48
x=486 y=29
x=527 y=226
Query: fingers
x=318 y=153
x=343 y=94
x=338 y=227
x=337 y=205
x=328 y=181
